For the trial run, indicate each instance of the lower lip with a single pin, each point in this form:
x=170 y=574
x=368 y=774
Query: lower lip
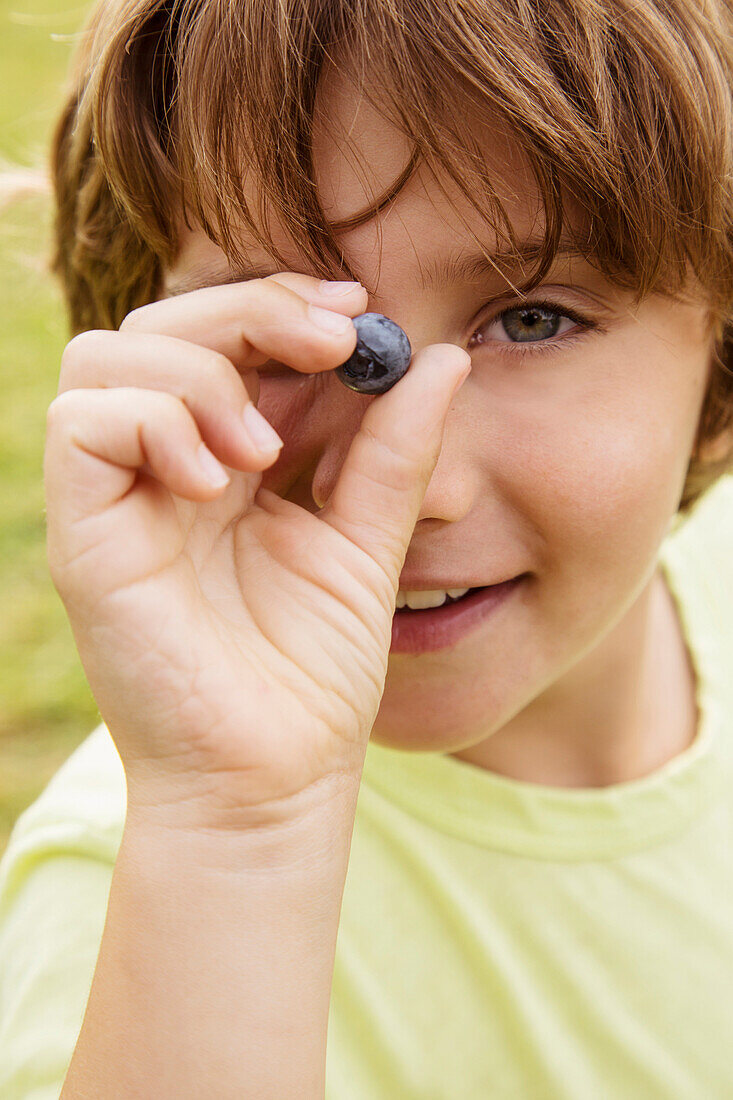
x=441 y=627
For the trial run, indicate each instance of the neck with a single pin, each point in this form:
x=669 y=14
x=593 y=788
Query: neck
x=622 y=712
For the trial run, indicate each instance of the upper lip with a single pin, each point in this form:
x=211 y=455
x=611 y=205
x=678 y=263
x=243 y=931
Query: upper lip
x=421 y=584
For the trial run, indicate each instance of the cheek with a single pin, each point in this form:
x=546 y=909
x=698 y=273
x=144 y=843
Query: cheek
x=292 y=406
x=598 y=472
x=600 y=491
x=287 y=401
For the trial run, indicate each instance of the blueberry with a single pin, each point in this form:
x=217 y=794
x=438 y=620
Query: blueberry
x=380 y=358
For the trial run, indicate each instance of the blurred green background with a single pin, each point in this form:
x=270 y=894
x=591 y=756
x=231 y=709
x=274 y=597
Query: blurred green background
x=46 y=707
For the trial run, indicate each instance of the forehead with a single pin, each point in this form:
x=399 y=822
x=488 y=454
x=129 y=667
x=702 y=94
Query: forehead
x=358 y=153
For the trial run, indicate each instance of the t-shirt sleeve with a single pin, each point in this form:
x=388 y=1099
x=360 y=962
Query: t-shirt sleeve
x=52 y=912
x=55 y=877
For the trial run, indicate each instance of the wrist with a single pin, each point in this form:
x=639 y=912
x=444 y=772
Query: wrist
x=300 y=833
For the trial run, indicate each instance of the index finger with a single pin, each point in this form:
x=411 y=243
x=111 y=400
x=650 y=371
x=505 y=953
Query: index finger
x=260 y=319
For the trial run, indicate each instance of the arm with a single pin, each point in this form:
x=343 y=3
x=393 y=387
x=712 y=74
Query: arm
x=237 y=648
x=215 y=968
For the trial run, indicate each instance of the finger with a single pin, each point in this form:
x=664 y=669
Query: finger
x=280 y=317
x=206 y=382
x=385 y=476
x=97 y=440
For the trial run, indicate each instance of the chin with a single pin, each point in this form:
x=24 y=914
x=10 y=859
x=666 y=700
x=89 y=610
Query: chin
x=421 y=739
x=438 y=715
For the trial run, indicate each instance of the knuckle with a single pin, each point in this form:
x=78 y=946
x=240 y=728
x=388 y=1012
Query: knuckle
x=60 y=409
x=277 y=312
x=135 y=319
x=392 y=453
x=167 y=412
x=252 y=290
x=264 y=297
x=274 y=291
x=219 y=370
x=80 y=349
x=154 y=405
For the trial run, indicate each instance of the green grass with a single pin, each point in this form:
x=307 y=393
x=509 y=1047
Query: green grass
x=35 y=48
x=46 y=707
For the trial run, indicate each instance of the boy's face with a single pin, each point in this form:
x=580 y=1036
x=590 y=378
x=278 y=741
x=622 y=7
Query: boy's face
x=564 y=453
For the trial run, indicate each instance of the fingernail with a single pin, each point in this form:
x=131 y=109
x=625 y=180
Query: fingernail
x=324 y=319
x=336 y=290
x=213 y=470
x=262 y=434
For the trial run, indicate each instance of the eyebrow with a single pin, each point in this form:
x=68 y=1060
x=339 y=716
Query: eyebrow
x=454 y=268
x=478 y=266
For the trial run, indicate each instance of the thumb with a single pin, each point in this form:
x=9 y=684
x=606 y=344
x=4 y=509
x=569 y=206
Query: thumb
x=385 y=476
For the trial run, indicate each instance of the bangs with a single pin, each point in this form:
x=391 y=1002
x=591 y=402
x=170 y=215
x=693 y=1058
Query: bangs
x=622 y=109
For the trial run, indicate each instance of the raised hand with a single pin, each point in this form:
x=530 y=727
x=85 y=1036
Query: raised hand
x=236 y=644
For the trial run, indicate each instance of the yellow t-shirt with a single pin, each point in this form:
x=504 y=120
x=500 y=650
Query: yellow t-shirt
x=497 y=940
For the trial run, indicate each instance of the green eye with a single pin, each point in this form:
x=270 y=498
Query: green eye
x=530 y=323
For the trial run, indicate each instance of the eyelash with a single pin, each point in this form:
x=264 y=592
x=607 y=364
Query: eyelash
x=533 y=347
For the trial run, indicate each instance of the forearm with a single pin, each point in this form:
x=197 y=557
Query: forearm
x=215 y=967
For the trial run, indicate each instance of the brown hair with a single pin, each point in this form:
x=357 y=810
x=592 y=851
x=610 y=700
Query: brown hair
x=625 y=106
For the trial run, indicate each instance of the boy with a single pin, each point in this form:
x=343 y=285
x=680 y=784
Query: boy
x=539 y=891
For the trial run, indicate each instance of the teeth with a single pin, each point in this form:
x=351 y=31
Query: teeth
x=434 y=597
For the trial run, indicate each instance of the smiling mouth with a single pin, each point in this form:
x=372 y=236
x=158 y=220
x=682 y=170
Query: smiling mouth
x=451 y=594
x=446 y=602
x=421 y=630
x=457 y=599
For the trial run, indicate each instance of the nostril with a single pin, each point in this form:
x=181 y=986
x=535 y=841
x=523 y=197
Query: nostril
x=319 y=500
